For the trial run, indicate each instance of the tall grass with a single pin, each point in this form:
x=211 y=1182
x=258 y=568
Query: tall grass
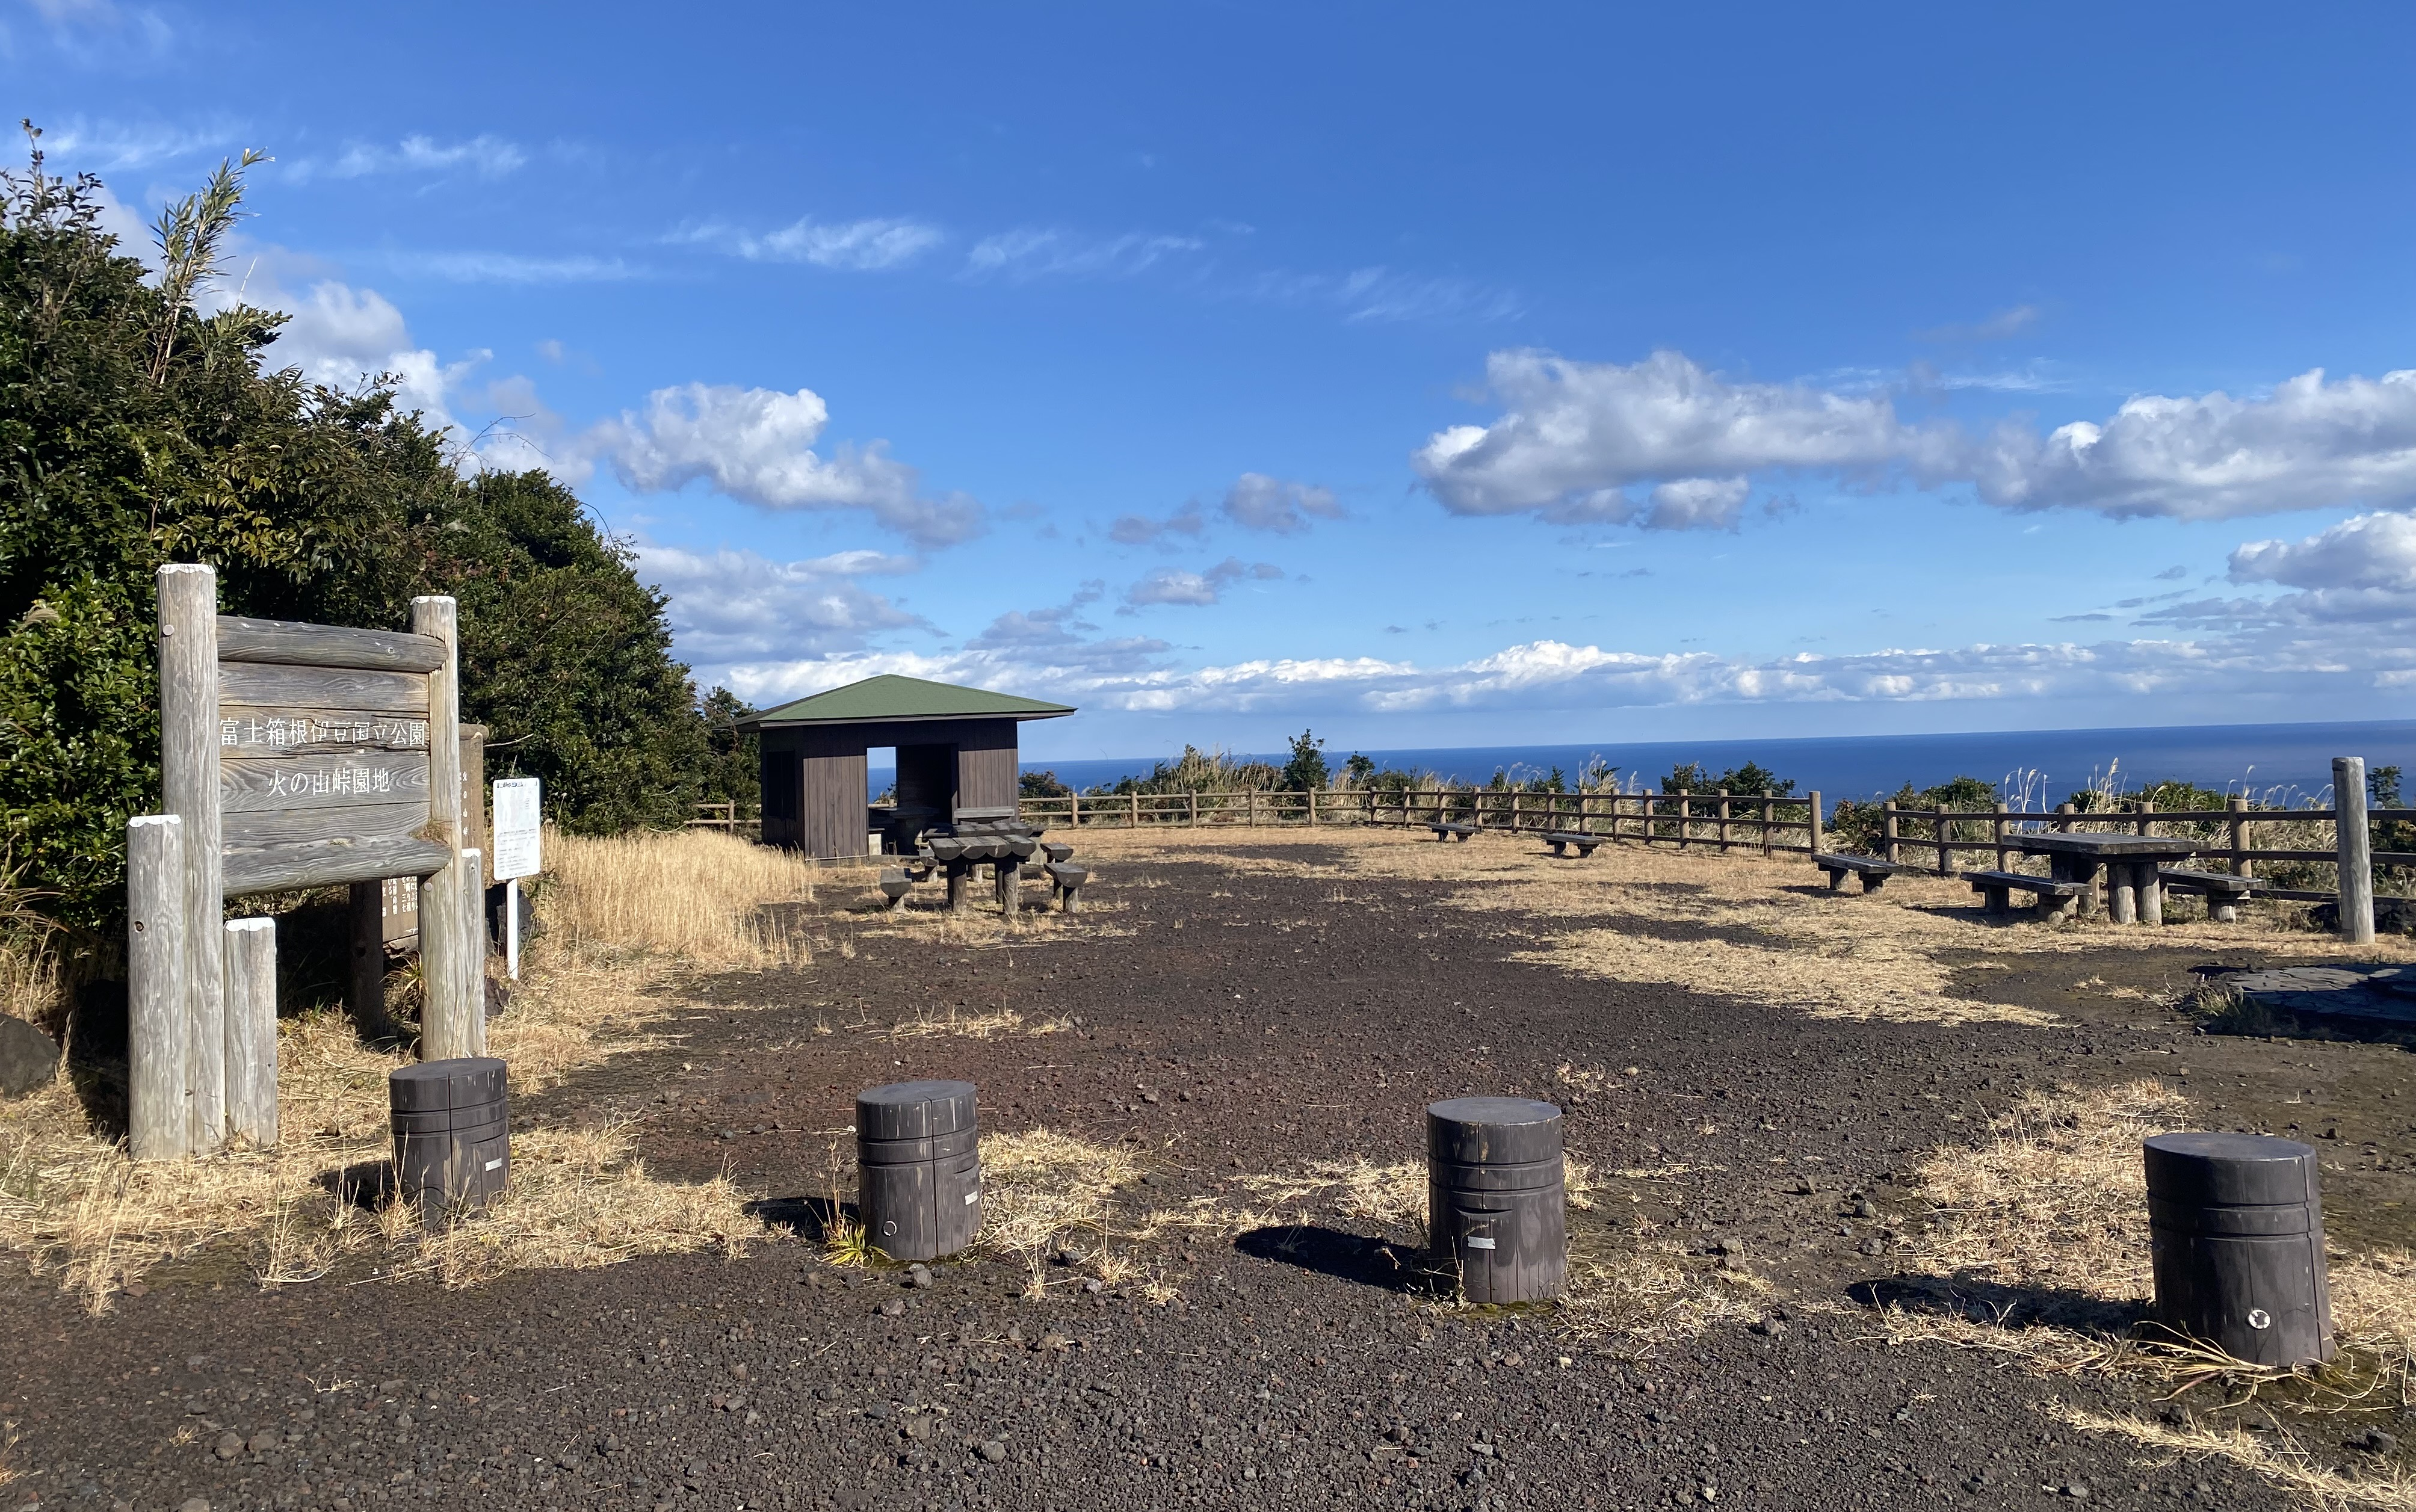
x=695 y=893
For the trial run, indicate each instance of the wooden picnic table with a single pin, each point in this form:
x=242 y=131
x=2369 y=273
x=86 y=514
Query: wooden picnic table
x=2132 y=892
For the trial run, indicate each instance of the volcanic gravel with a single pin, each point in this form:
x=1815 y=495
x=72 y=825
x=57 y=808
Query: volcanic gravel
x=1228 y=1021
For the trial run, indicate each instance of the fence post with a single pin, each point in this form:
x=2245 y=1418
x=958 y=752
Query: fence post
x=1887 y=830
x=1135 y=821
x=1194 y=806
x=2237 y=824
x=1685 y=818
x=1945 y=842
x=1075 y=810
x=1813 y=825
x=1312 y=806
x=1723 y=829
x=157 y=1125
x=250 y=953
x=1997 y=831
x=188 y=782
x=2354 y=848
x=1254 y=808
x=1768 y=816
x=2064 y=820
x=2147 y=821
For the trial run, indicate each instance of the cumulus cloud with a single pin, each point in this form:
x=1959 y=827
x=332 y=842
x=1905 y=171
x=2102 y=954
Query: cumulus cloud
x=757 y=446
x=2359 y=572
x=1171 y=586
x=1579 y=440
x=1580 y=434
x=1258 y=502
x=734 y=605
x=2310 y=443
x=1034 y=252
x=341 y=336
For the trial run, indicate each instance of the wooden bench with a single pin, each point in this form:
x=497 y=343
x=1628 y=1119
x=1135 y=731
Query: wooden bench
x=1067 y=879
x=2057 y=900
x=2224 y=892
x=1560 y=840
x=1057 y=850
x=1452 y=832
x=1874 y=872
x=897 y=882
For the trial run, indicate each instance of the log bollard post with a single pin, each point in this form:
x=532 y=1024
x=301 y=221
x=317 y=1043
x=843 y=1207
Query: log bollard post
x=918 y=1168
x=2236 y=1232
x=250 y=963
x=1814 y=819
x=452 y=1134
x=188 y=784
x=2353 y=845
x=156 y=1122
x=1497 y=1199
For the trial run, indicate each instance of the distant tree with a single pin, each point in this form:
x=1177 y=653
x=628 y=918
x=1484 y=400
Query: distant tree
x=1307 y=770
x=733 y=771
x=1357 y=770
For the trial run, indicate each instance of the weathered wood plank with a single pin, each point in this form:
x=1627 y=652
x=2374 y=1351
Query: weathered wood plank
x=323 y=781
x=251 y=1030
x=365 y=987
x=267 y=686
x=249 y=732
x=374 y=823
x=445 y=1029
x=2355 y=866
x=155 y=1121
x=327 y=864
x=293 y=643
x=189 y=771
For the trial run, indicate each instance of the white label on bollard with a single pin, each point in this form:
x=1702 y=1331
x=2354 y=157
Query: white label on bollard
x=494 y=1165
x=2260 y=1318
x=971 y=1198
x=1480 y=1244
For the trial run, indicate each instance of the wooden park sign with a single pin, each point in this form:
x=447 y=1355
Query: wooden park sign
x=291 y=756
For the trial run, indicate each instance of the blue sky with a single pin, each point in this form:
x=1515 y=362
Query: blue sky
x=1431 y=376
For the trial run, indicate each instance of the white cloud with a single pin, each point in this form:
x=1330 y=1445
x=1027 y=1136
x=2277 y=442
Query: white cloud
x=2360 y=572
x=1032 y=253
x=1170 y=585
x=757 y=446
x=109 y=146
x=1380 y=295
x=1258 y=502
x=483 y=156
x=1579 y=435
x=2309 y=444
x=730 y=605
x=508 y=267
x=855 y=245
x=339 y=335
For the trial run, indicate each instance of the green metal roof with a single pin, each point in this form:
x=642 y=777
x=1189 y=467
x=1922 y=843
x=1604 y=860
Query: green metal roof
x=891 y=697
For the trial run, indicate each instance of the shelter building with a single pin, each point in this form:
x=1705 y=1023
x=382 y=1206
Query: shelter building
x=957 y=758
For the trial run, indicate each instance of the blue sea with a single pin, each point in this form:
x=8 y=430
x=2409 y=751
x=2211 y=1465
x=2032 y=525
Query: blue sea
x=2271 y=762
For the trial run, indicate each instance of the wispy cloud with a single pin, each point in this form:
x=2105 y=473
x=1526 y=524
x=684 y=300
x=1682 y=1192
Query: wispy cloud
x=1173 y=585
x=483 y=157
x=2002 y=326
x=131 y=147
x=510 y=267
x=1380 y=294
x=1037 y=253
x=854 y=246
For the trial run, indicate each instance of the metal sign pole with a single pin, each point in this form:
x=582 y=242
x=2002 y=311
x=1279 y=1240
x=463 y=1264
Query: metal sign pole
x=512 y=927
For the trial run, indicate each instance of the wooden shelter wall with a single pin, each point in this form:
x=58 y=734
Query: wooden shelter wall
x=987 y=768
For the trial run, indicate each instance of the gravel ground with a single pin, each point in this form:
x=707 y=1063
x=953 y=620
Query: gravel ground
x=1228 y=1022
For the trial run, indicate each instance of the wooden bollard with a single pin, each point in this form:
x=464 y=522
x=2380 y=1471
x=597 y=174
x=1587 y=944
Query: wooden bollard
x=2236 y=1233
x=918 y=1168
x=189 y=782
x=2353 y=851
x=250 y=963
x=1497 y=1197
x=156 y=1119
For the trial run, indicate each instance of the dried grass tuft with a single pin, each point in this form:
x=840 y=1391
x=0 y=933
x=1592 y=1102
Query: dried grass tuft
x=1043 y=1192
x=1390 y=1196
x=958 y=1024
x=698 y=894
x=2278 y=1457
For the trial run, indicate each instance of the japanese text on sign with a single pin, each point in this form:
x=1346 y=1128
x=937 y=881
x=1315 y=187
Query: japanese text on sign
x=321 y=784
x=310 y=730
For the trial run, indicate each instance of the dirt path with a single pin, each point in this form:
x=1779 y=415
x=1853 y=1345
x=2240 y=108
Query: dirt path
x=1228 y=1014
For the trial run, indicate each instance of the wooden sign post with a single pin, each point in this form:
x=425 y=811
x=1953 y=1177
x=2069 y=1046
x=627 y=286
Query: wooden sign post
x=298 y=756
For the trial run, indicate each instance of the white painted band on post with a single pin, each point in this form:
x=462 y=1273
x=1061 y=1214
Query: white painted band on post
x=156 y=1119
x=251 y=1030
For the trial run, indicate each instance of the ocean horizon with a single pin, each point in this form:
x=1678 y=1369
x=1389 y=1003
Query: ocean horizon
x=2272 y=762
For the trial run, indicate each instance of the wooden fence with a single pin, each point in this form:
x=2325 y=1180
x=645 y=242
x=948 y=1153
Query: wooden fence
x=2226 y=835
x=1716 y=821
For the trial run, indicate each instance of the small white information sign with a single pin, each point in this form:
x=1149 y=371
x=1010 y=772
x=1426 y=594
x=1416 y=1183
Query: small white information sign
x=517 y=823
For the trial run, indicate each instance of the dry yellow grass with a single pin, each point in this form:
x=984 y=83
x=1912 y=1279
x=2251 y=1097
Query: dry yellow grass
x=697 y=894
x=1043 y=1192
x=958 y=1024
x=2277 y=1457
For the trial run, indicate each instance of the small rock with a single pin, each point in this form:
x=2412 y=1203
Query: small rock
x=892 y=1309
x=2077 y=1490
x=28 y=1057
x=1864 y=1210
x=739 y=1372
x=917 y=1428
x=1399 y=1434
x=2374 y=1441
x=994 y=1451
x=264 y=1441
x=229 y=1445
x=137 y=1289
x=193 y=1503
x=1095 y=1286
x=1149 y=1097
